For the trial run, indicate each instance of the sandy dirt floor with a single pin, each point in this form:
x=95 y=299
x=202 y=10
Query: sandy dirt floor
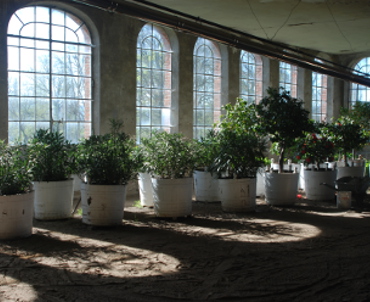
x=308 y=252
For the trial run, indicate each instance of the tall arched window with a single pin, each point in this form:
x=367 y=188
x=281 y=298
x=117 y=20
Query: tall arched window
x=49 y=73
x=250 y=77
x=360 y=93
x=153 y=85
x=319 y=96
x=288 y=78
x=207 y=86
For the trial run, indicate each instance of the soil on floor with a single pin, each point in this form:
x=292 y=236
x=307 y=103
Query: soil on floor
x=308 y=252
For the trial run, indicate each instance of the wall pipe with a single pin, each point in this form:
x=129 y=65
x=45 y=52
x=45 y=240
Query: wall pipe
x=151 y=12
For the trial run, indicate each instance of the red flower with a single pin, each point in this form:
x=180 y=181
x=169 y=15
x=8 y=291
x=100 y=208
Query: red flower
x=308 y=160
x=298 y=157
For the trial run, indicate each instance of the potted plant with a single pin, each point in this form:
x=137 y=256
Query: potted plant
x=316 y=151
x=240 y=155
x=16 y=195
x=106 y=164
x=349 y=136
x=284 y=119
x=170 y=159
x=54 y=163
x=205 y=185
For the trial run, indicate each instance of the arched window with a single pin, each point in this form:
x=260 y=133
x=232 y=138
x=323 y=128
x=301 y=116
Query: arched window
x=153 y=85
x=288 y=78
x=319 y=96
x=49 y=73
x=250 y=77
x=360 y=93
x=207 y=86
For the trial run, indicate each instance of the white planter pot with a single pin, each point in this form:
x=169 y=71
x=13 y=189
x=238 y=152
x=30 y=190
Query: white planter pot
x=205 y=186
x=53 y=199
x=237 y=195
x=260 y=187
x=16 y=215
x=145 y=190
x=358 y=171
x=281 y=188
x=313 y=188
x=103 y=205
x=173 y=197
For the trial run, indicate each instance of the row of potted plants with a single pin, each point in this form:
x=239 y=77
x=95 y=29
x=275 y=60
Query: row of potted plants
x=232 y=153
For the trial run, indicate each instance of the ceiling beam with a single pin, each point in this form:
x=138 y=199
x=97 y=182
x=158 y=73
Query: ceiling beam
x=151 y=12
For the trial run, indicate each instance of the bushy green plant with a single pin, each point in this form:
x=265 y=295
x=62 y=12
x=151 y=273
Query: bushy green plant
x=53 y=156
x=107 y=159
x=348 y=136
x=15 y=169
x=240 y=154
x=239 y=117
x=284 y=119
x=168 y=155
x=317 y=147
x=206 y=150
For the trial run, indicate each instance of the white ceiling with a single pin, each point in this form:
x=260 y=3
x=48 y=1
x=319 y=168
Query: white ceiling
x=330 y=26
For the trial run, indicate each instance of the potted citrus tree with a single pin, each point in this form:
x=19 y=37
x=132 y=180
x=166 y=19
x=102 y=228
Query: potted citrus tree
x=106 y=164
x=316 y=151
x=349 y=136
x=283 y=119
x=54 y=163
x=239 y=157
x=16 y=195
x=240 y=154
x=170 y=159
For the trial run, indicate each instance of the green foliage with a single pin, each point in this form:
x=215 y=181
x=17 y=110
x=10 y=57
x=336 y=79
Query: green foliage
x=240 y=154
x=239 y=117
x=107 y=159
x=359 y=113
x=53 y=156
x=168 y=155
x=15 y=169
x=348 y=136
x=317 y=148
x=283 y=118
x=206 y=150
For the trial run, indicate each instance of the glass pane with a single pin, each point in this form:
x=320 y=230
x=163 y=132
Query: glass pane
x=58 y=89
x=13 y=132
x=42 y=85
x=13 y=109
x=27 y=59
x=158 y=79
x=42 y=31
x=27 y=84
x=57 y=33
x=58 y=110
x=13 y=58
x=42 y=109
x=156 y=117
x=157 y=98
x=75 y=110
x=57 y=17
x=145 y=116
x=13 y=83
x=58 y=63
x=42 y=61
x=28 y=109
x=71 y=37
x=42 y=14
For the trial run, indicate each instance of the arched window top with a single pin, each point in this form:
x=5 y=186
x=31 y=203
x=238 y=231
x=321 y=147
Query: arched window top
x=206 y=48
x=363 y=67
x=154 y=38
x=44 y=23
x=360 y=93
